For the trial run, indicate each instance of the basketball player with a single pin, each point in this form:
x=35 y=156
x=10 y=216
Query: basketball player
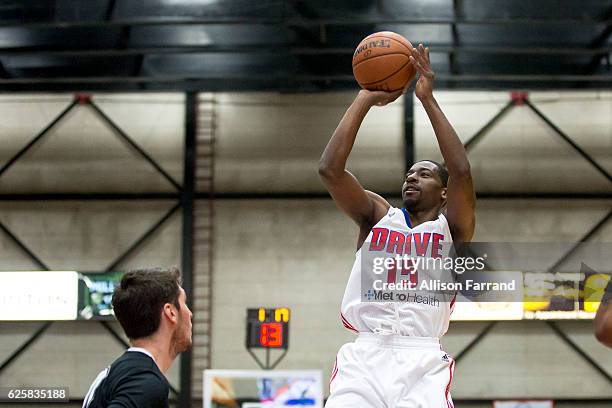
x=397 y=360
x=150 y=306
x=603 y=318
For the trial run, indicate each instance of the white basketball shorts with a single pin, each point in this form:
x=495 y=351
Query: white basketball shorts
x=390 y=371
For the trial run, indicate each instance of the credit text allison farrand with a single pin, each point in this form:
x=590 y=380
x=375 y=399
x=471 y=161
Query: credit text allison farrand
x=436 y=285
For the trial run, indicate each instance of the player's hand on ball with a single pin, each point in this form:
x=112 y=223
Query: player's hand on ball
x=420 y=60
x=380 y=98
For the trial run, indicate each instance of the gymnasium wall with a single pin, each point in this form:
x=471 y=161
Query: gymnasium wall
x=521 y=154
x=290 y=252
x=81 y=154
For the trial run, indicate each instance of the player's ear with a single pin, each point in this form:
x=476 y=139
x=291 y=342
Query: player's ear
x=443 y=193
x=170 y=312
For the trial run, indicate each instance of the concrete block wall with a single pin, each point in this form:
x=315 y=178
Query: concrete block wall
x=279 y=139
x=81 y=154
x=84 y=237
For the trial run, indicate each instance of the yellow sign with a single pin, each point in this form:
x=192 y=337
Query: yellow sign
x=281 y=314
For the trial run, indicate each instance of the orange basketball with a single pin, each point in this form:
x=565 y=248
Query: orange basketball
x=381 y=62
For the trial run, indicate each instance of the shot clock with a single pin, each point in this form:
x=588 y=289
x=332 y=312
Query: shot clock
x=268 y=328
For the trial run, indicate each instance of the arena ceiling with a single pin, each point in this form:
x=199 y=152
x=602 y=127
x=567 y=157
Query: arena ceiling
x=296 y=45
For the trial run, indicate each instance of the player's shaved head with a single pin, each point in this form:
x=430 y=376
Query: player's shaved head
x=441 y=170
x=425 y=186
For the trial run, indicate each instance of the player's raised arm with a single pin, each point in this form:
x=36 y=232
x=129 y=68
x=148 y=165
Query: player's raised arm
x=461 y=200
x=363 y=207
x=603 y=318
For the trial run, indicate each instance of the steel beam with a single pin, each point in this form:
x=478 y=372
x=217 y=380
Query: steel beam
x=587 y=236
x=161 y=79
x=188 y=197
x=38 y=137
x=479 y=337
x=274 y=49
x=114 y=334
x=599 y=41
x=23 y=247
x=397 y=195
x=133 y=144
x=25 y=345
x=565 y=137
x=452 y=56
x=408 y=130
x=567 y=340
x=143 y=238
x=89 y=196
x=472 y=141
x=110 y=10
x=306 y=22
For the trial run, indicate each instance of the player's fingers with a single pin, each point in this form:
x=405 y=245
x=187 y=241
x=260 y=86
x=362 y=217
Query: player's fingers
x=421 y=55
x=422 y=50
x=427 y=54
x=418 y=66
x=392 y=96
x=415 y=53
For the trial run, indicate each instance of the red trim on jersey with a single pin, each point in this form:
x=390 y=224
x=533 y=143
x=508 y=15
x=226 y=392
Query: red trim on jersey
x=346 y=323
x=452 y=303
x=333 y=377
x=334 y=371
x=450 y=369
x=349 y=327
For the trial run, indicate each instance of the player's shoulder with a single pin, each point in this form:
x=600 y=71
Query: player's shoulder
x=155 y=383
x=378 y=199
x=379 y=211
x=134 y=359
x=444 y=224
x=142 y=389
x=139 y=378
x=137 y=365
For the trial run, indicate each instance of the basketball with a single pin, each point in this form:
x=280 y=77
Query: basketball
x=381 y=62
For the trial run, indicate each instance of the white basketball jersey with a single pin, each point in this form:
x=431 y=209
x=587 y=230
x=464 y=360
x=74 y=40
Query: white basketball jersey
x=422 y=317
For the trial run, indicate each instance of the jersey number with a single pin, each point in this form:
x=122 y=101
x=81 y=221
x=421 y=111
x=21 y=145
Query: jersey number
x=407 y=269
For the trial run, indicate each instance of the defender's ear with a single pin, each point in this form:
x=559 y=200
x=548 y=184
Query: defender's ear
x=170 y=312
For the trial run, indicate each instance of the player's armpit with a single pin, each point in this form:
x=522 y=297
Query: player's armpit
x=460 y=207
x=379 y=200
x=365 y=208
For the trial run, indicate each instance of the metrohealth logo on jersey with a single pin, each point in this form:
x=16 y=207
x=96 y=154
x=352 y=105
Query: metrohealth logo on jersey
x=379 y=295
x=369 y=295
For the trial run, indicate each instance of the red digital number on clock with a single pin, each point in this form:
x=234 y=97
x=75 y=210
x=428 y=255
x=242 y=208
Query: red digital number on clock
x=271 y=335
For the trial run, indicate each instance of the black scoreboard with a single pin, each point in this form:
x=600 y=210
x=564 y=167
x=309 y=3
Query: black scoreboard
x=268 y=328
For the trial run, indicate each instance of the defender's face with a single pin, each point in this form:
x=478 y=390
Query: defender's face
x=422 y=188
x=183 y=330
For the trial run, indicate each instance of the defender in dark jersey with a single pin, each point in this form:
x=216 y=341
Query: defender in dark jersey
x=151 y=307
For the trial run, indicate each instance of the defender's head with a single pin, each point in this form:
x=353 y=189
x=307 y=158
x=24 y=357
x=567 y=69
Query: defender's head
x=425 y=186
x=149 y=302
